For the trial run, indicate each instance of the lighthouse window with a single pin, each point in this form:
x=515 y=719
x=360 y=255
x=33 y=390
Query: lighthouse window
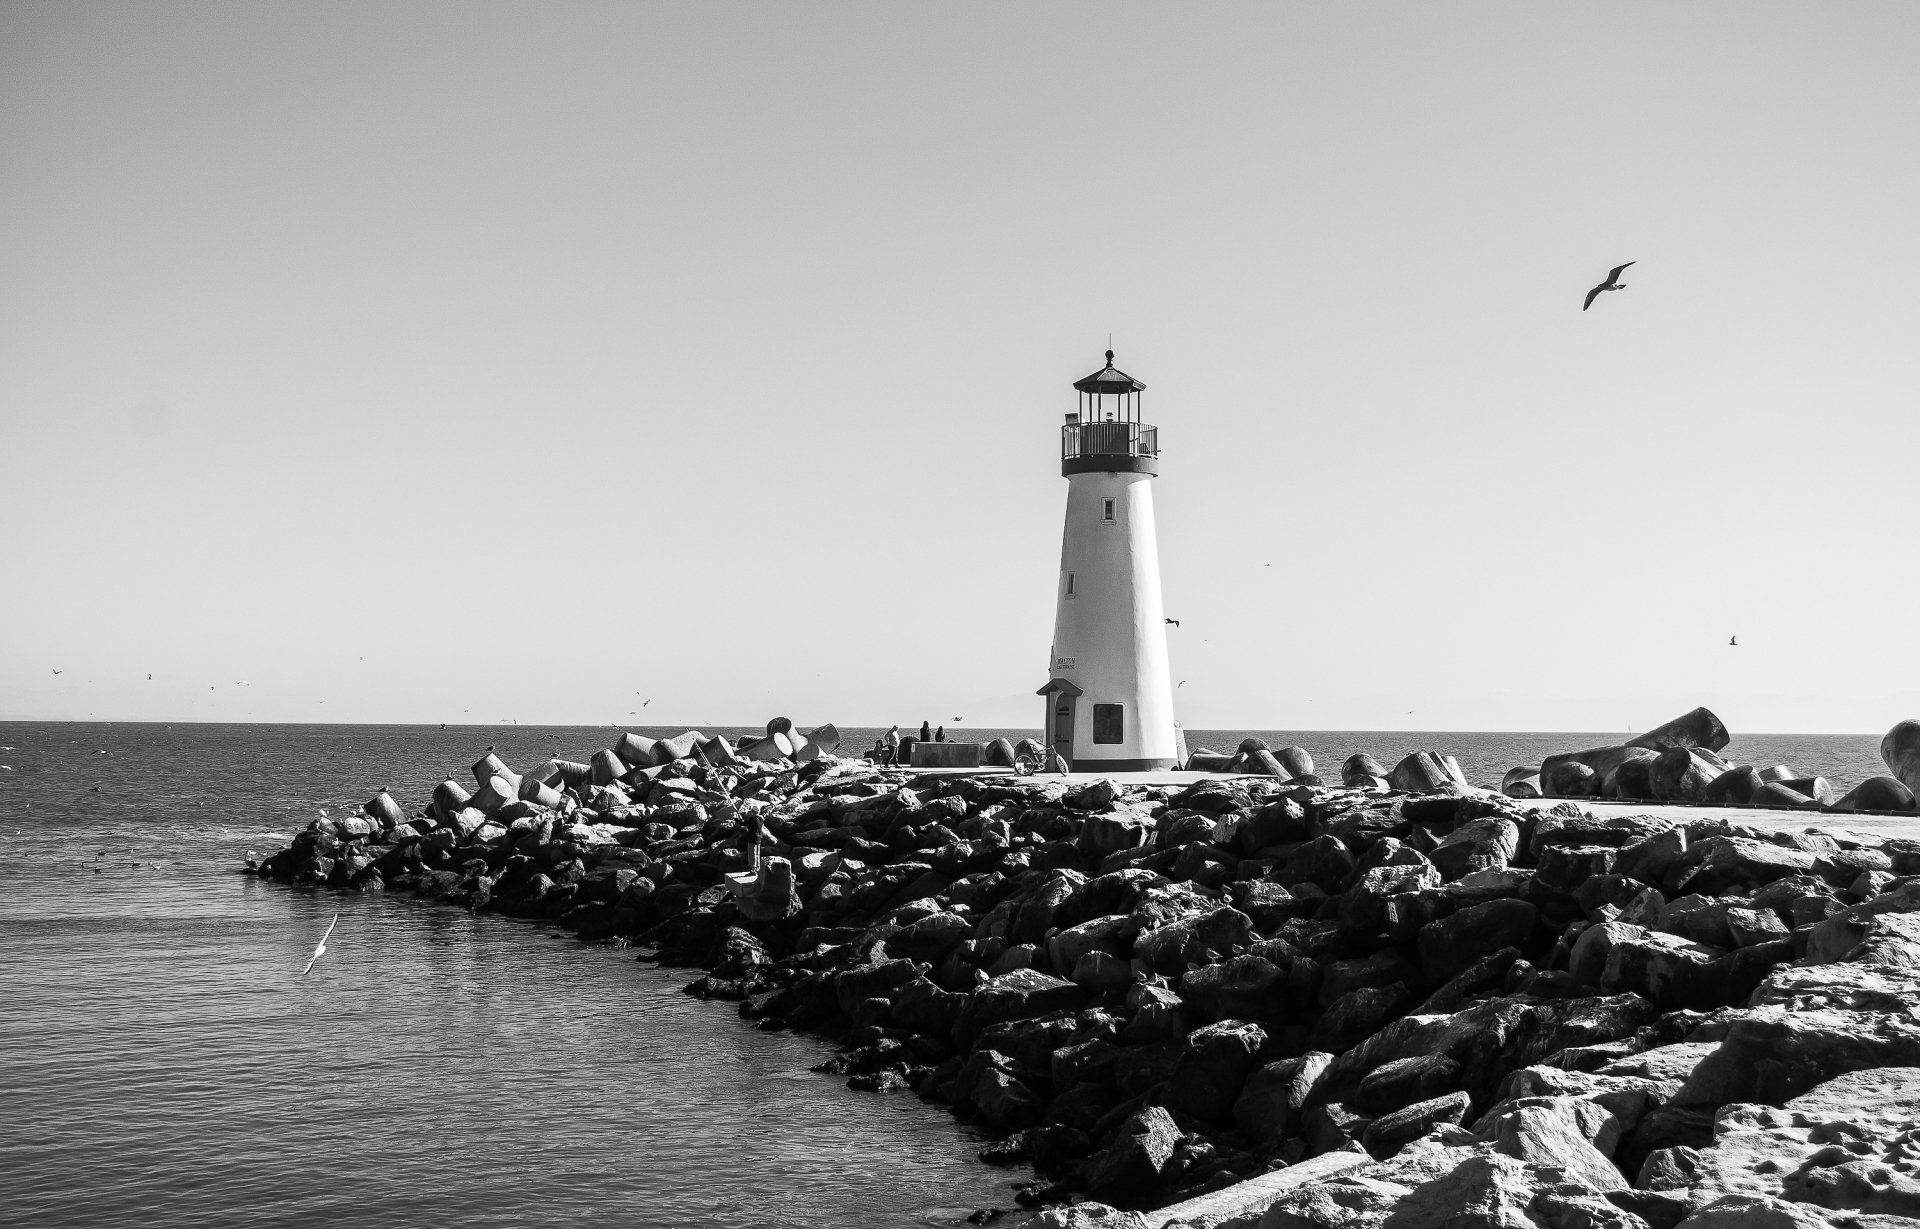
x=1069 y=584
x=1109 y=723
x=1106 y=511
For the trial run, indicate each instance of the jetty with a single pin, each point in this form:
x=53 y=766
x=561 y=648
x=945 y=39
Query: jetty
x=1261 y=998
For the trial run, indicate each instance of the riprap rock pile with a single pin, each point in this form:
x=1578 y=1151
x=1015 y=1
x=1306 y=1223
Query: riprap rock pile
x=1153 y=992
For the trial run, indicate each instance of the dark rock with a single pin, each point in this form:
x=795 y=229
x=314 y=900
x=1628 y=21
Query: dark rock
x=1359 y=1014
x=1130 y=1165
x=1385 y=967
x=1212 y=1070
x=1386 y=1135
x=1271 y=1102
x=1724 y=864
x=1018 y=995
x=1453 y=944
x=1483 y=844
x=1323 y=861
x=1243 y=987
x=1400 y=1083
x=1482 y=976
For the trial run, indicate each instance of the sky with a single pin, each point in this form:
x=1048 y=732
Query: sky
x=692 y=364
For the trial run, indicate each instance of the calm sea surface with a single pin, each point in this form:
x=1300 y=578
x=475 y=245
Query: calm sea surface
x=163 y=1063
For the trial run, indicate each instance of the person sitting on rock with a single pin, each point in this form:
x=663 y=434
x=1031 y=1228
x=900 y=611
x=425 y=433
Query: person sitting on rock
x=940 y=735
x=926 y=732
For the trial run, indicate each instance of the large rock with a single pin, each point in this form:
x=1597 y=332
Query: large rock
x=1131 y=1164
x=1212 y=1070
x=1019 y=995
x=1453 y=944
x=1725 y=864
x=1194 y=939
x=1851 y=1144
x=1482 y=844
x=1449 y=1181
x=1774 y=1053
x=1273 y=1097
x=1245 y=987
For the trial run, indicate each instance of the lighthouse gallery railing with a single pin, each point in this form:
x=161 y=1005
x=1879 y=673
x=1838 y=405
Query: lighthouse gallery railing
x=1125 y=439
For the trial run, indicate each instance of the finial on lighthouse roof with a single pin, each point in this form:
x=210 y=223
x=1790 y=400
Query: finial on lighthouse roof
x=1109 y=380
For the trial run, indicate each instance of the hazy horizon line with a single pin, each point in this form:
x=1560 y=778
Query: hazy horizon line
x=759 y=725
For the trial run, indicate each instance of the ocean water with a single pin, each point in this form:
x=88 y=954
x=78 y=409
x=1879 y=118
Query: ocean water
x=162 y=1061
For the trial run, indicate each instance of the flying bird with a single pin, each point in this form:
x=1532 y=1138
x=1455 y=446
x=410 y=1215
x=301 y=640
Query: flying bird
x=322 y=949
x=51 y=668
x=1182 y=683
x=149 y=678
x=1733 y=640
x=1175 y=622
x=1613 y=282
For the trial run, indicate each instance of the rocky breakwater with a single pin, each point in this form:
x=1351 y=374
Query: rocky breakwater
x=1155 y=993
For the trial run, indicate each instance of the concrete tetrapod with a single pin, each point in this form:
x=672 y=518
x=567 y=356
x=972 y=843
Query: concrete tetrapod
x=1605 y=763
x=1681 y=774
x=1699 y=728
x=634 y=749
x=1900 y=749
x=1877 y=794
x=1360 y=770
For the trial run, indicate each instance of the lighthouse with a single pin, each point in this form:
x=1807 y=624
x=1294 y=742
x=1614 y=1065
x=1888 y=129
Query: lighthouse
x=1109 y=697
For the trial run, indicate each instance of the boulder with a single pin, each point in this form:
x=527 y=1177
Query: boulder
x=1397 y=1084
x=1243 y=987
x=1270 y=1103
x=1451 y=945
x=1846 y=1145
x=1019 y=995
x=1481 y=844
x=1132 y=1162
x=1728 y=864
x=1388 y=1134
x=1212 y=1070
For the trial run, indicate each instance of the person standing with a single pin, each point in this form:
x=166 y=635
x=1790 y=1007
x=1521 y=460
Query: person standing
x=893 y=744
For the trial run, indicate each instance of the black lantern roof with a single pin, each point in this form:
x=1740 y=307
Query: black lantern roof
x=1108 y=380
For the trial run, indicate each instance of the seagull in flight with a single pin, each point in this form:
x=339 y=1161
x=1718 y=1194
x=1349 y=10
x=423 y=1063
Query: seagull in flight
x=322 y=949
x=1734 y=641
x=51 y=668
x=1613 y=282
x=1175 y=622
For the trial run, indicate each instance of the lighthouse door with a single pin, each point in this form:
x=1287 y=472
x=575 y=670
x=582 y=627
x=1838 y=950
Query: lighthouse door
x=1060 y=723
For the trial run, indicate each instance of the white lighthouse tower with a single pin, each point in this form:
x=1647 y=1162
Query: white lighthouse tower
x=1109 y=697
